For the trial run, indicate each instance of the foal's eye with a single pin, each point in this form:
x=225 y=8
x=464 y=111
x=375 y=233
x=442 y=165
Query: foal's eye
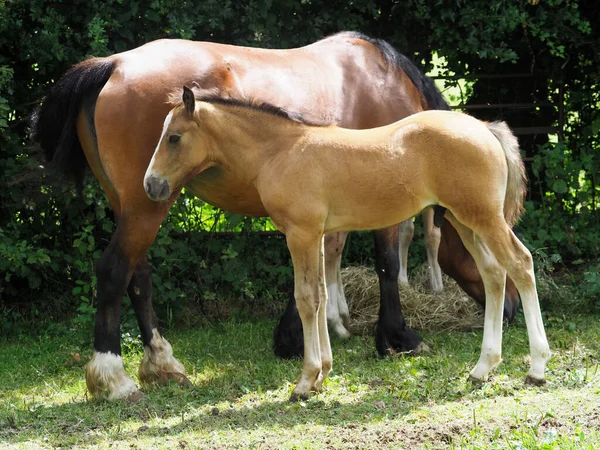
x=174 y=139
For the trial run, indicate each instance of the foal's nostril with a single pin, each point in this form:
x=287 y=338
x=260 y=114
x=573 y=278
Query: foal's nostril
x=156 y=188
x=164 y=191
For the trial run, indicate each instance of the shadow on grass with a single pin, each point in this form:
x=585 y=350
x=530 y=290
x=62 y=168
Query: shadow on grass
x=233 y=370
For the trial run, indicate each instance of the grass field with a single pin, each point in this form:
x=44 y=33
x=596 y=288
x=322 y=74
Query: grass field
x=240 y=395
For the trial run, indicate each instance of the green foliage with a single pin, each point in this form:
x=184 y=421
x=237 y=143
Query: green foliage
x=50 y=238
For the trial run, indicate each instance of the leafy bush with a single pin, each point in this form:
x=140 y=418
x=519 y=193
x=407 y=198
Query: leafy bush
x=50 y=238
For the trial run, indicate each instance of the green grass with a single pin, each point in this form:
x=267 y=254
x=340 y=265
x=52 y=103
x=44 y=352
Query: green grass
x=240 y=395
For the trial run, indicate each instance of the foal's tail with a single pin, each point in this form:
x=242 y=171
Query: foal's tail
x=517 y=179
x=53 y=124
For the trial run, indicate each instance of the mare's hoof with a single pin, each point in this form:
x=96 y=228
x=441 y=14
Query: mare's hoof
x=182 y=380
x=421 y=349
x=533 y=381
x=390 y=340
x=135 y=397
x=295 y=398
x=165 y=377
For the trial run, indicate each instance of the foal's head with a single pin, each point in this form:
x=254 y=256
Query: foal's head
x=181 y=152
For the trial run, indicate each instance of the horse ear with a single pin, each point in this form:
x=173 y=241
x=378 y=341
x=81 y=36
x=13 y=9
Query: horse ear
x=189 y=100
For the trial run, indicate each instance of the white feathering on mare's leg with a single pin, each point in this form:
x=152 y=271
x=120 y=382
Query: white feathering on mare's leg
x=106 y=377
x=159 y=365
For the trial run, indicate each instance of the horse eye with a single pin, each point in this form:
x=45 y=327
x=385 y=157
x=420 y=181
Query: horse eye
x=174 y=139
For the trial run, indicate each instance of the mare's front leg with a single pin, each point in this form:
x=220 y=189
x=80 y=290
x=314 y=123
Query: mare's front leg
x=158 y=364
x=392 y=334
x=306 y=250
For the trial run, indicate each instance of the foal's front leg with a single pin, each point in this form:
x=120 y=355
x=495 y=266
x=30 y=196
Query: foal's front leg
x=306 y=251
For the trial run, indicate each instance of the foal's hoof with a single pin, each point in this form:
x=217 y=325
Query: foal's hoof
x=295 y=398
x=533 y=381
x=476 y=381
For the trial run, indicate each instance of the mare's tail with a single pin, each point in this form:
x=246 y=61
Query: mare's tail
x=53 y=123
x=517 y=179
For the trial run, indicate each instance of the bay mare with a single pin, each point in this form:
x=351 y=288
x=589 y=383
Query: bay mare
x=314 y=180
x=107 y=113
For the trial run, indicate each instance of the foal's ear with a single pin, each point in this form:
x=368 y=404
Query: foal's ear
x=189 y=100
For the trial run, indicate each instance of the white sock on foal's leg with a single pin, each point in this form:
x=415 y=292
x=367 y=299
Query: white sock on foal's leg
x=405 y=235
x=106 y=377
x=336 y=297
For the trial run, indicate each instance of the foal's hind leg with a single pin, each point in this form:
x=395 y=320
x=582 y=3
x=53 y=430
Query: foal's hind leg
x=518 y=262
x=158 y=364
x=406 y=231
x=338 y=315
x=433 y=235
x=324 y=344
x=493 y=276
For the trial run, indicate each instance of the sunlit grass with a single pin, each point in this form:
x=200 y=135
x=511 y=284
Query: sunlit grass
x=239 y=398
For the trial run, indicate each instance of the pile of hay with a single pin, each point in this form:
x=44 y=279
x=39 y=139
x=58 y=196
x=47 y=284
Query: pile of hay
x=450 y=310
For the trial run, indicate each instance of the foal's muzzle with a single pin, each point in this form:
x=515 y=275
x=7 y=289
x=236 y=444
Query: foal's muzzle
x=157 y=188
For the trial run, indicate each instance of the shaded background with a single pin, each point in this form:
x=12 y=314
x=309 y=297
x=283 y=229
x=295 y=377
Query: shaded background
x=533 y=64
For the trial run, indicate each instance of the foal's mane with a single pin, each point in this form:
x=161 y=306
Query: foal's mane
x=249 y=104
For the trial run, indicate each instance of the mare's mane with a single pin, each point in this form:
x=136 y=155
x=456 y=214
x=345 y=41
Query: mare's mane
x=248 y=104
x=397 y=61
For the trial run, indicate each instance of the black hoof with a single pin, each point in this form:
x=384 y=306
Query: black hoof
x=390 y=340
x=532 y=381
x=295 y=398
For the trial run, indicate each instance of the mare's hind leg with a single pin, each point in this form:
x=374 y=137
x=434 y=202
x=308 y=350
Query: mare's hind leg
x=433 y=235
x=158 y=364
x=392 y=333
x=406 y=232
x=105 y=375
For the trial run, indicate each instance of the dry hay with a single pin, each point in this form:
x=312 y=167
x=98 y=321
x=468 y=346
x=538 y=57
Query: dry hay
x=424 y=310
